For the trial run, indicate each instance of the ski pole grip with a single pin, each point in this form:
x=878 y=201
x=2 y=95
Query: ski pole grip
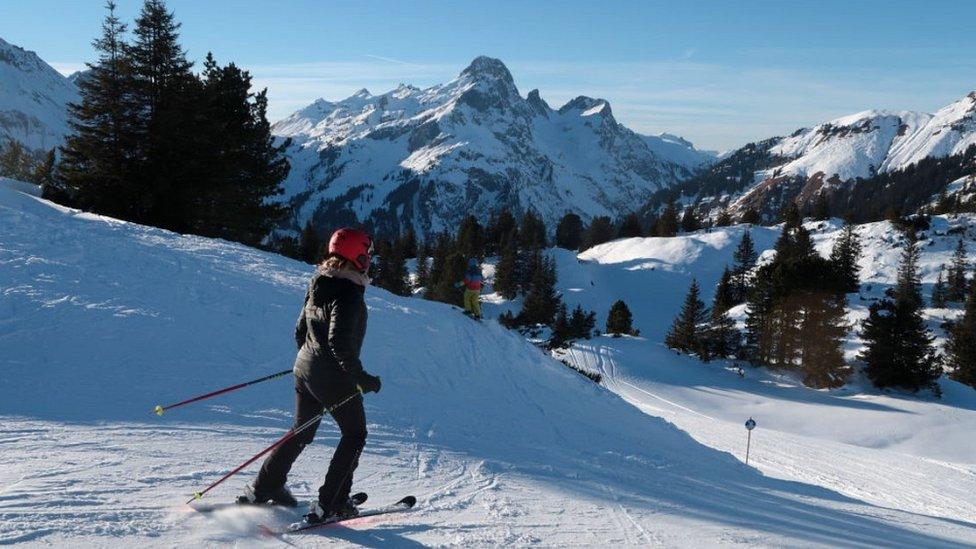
x=158 y=409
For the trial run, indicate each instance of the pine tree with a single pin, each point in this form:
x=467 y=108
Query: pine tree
x=956 y=283
x=506 y=278
x=745 y=257
x=238 y=166
x=470 y=238
x=821 y=208
x=961 y=346
x=898 y=348
x=532 y=232
x=541 y=301
x=43 y=172
x=569 y=232
x=581 y=323
x=98 y=169
x=791 y=216
x=938 y=299
x=309 y=245
x=499 y=228
x=724 y=294
x=423 y=270
x=689 y=221
x=408 y=244
x=751 y=216
x=561 y=329
x=630 y=227
x=845 y=256
x=667 y=224
x=620 y=320
x=15 y=161
x=687 y=333
x=723 y=219
x=599 y=231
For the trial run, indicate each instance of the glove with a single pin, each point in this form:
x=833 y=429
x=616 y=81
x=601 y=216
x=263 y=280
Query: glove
x=368 y=383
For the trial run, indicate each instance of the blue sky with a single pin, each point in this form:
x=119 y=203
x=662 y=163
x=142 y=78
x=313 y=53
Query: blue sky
x=719 y=73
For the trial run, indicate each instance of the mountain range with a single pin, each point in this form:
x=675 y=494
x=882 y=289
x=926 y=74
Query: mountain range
x=33 y=100
x=426 y=158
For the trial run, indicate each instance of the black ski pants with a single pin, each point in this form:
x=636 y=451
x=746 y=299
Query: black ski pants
x=310 y=399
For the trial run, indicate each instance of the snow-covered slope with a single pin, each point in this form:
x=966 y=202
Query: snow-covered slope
x=911 y=452
x=427 y=158
x=101 y=319
x=830 y=157
x=33 y=99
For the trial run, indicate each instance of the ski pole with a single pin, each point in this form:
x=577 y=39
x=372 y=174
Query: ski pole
x=160 y=409
x=287 y=436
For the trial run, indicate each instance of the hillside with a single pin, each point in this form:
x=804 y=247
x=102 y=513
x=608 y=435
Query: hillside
x=103 y=319
x=844 y=160
x=426 y=158
x=33 y=100
x=889 y=448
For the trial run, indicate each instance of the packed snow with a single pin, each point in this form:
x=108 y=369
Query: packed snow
x=892 y=449
x=100 y=320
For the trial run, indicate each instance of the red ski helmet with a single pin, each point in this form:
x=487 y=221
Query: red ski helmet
x=353 y=245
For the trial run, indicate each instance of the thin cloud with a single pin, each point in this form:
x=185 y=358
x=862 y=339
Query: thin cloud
x=387 y=59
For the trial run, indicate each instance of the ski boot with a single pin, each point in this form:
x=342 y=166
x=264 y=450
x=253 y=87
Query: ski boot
x=318 y=515
x=281 y=497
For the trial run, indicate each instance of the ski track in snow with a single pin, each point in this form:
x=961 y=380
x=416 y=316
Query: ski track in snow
x=502 y=445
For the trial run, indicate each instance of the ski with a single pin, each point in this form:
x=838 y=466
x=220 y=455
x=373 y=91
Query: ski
x=356 y=499
x=404 y=504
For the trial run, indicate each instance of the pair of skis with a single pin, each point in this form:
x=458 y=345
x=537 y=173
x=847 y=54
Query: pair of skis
x=404 y=504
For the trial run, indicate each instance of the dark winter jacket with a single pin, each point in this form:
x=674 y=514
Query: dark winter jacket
x=330 y=330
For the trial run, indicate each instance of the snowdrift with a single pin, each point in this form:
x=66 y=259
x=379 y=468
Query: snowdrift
x=100 y=320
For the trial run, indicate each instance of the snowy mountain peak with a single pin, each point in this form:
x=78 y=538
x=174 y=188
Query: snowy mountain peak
x=33 y=99
x=488 y=68
x=428 y=158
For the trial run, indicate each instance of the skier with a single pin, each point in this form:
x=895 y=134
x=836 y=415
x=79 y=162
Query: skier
x=472 y=289
x=329 y=335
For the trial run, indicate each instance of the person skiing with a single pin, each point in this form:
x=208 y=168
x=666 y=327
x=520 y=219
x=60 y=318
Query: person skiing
x=328 y=375
x=472 y=289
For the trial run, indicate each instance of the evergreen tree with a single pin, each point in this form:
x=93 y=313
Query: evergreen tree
x=423 y=270
x=499 y=228
x=561 y=329
x=15 y=163
x=791 y=216
x=450 y=272
x=630 y=227
x=898 y=348
x=238 y=166
x=667 y=224
x=751 y=216
x=43 y=172
x=541 y=301
x=796 y=313
x=689 y=221
x=470 y=238
x=938 y=300
x=845 y=256
x=961 y=346
x=724 y=294
x=98 y=160
x=581 y=323
x=569 y=232
x=408 y=244
x=599 y=231
x=506 y=277
x=723 y=219
x=687 y=333
x=309 y=245
x=745 y=257
x=956 y=283
x=620 y=320
x=532 y=232
x=821 y=208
